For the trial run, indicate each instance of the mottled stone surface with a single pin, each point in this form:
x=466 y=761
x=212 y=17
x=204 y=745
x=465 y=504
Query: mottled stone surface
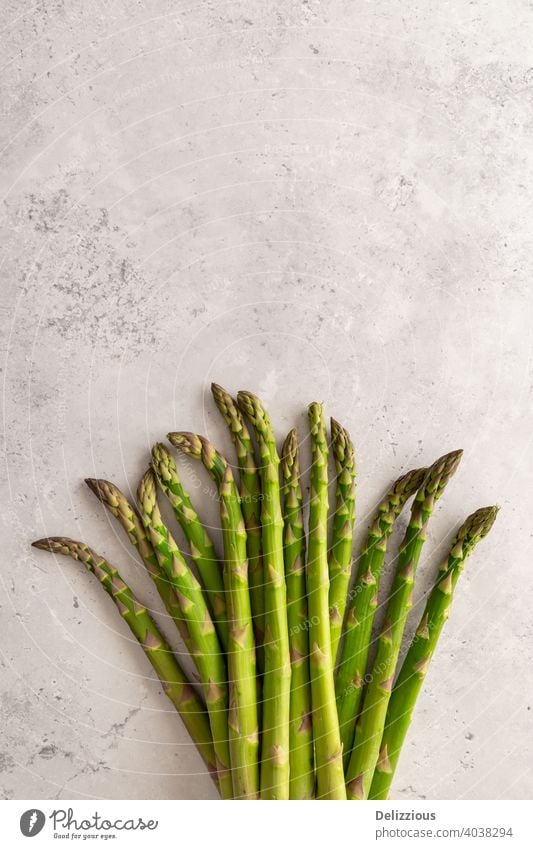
x=314 y=200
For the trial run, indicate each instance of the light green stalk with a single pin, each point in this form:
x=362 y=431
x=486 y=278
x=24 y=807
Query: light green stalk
x=206 y=647
x=328 y=747
x=242 y=719
x=277 y=674
x=173 y=678
x=201 y=545
x=302 y=777
x=372 y=721
x=363 y=601
x=418 y=658
x=340 y=557
x=250 y=492
x=119 y=506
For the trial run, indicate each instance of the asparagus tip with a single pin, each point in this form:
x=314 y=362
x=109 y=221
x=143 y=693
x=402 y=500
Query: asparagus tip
x=146 y=489
x=53 y=544
x=247 y=402
x=452 y=458
x=315 y=412
x=94 y=486
x=289 y=456
x=158 y=450
x=481 y=521
x=222 y=398
x=342 y=447
x=439 y=473
x=186 y=441
x=410 y=481
x=291 y=443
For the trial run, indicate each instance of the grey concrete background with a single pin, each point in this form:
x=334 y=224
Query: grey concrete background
x=308 y=199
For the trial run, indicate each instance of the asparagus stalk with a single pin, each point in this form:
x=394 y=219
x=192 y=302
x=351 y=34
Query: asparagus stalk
x=363 y=601
x=201 y=546
x=206 y=646
x=175 y=684
x=418 y=658
x=370 y=730
x=340 y=558
x=242 y=719
x=250 y=492
x=328 y=747
x=119 y=506
x=301 y=759
x=277 y=674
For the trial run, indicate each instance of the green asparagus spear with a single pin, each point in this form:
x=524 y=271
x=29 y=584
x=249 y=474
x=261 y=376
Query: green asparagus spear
x=119 y=506
x=301 y=759
x=174 y=681
x=206 y=646
x=418 y=658
x=277 y=674
x=328 y=747
x=340 y=557
x=370 y=729
x=201 y=546
x=242 y=720
x=363 y=600
x=250 y=492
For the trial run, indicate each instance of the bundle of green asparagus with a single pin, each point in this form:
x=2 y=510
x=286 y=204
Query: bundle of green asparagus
x=290 y=703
